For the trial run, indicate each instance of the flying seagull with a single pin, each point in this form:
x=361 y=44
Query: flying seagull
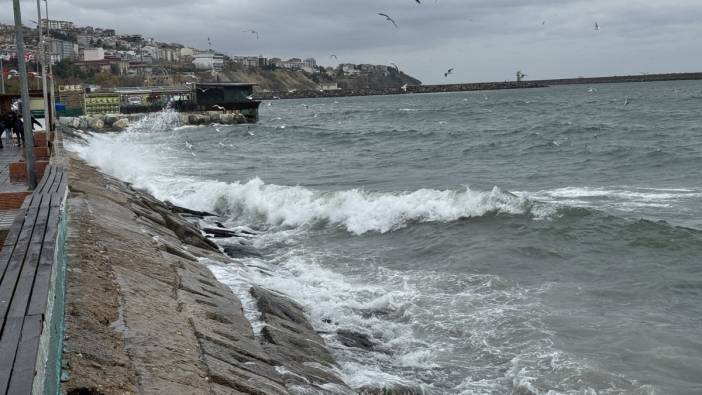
x=418 y=2
x=395 y=66
x=387 y=17
x=597 y=26
x=333 y=56
x=449 y=72
x=252 y=32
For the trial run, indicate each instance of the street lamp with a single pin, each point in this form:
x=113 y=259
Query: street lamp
x=24 y=92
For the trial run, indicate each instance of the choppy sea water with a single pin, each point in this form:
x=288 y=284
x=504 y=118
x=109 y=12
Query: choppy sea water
x=544 y=241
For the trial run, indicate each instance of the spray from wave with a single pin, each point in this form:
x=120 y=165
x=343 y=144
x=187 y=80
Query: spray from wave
x=254 y=202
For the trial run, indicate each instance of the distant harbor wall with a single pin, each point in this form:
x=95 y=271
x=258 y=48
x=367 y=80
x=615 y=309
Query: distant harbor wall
x=480 y=86
x=304 y=94
x=622 y=79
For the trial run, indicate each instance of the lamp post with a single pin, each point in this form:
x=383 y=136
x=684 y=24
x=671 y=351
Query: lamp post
x=42 y=61
x=51 y=72
x=24 y=91
x=2 y=75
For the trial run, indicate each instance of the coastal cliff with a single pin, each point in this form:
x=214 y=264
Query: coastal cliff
x=145 y=315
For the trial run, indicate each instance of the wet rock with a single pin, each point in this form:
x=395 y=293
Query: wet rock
x=186 y=232
x=110 y=119
x=183 y=210
x=393 y=390
x=121 y=123
x=98 y=124
x=241 y=251
x=355 y=339
x=221 y=232
x=277 y=305
x=292 y=343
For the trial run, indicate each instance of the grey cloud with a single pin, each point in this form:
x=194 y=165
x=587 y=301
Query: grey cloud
x=483 y=39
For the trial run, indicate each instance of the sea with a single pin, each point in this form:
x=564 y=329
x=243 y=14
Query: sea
x=536 y=241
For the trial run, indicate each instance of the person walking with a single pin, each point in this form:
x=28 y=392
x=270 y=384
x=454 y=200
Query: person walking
x=18 y=127
x=2 y=128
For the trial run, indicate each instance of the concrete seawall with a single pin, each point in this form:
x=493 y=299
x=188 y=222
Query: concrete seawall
x=144 y=315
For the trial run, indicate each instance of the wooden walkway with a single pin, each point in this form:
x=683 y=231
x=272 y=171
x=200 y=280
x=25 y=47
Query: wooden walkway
x=27 y=265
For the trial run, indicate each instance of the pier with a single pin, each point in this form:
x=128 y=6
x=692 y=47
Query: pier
x=32 y=234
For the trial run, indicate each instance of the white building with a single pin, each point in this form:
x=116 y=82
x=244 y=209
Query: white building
x=187 y=52
x=329 y=86
x=150 y=53
x=350 y=69
x=93 y=54
x=57 y=25
x=61 y=50
x=208 y=61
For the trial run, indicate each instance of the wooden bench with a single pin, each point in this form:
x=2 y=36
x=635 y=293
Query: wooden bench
x=27 y=262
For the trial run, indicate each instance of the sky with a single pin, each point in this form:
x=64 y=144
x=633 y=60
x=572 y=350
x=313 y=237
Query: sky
x=483 y=40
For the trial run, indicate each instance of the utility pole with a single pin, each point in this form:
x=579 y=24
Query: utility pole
x=42 y=60
x=24 y=91
x=2 y=75
x=51 y=72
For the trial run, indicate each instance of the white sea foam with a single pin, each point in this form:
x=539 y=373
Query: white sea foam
x=643 y=194
x=254 y=201
x=622 y=199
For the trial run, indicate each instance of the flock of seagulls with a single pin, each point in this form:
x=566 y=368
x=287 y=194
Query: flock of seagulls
x=450 y=71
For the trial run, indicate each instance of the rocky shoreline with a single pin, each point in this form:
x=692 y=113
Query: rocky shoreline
x=119 y=122
x=145 y=315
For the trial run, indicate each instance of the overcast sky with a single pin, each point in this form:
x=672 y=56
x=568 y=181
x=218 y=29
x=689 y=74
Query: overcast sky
x=484 y=40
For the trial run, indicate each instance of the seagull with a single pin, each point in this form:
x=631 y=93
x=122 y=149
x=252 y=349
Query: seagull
x=188 y=145
x=249 y=97
x=627 y=101
x=449 y=72
x=418 y=1
x=217 y=106
x=203 y=90
x=333 y=56
x=387 y=17
x=395 y=66
x=252 y=32
x=597 y=27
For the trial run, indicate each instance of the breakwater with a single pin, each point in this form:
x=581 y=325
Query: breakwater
x=304 y=94
x=479 y=86
x=622 y=79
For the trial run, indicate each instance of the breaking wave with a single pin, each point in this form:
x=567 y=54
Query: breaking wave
x=256 y=202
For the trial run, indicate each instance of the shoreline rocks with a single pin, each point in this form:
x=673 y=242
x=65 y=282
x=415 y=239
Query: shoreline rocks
x=144 y=315
x=115 y=122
